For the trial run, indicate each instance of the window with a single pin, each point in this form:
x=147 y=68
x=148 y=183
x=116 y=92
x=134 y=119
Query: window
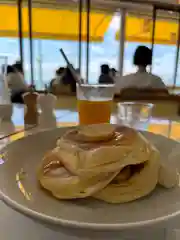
x=47 y=57
x=9 y=44
x=129 y=51
x=139 y=32
x=164 y=54
x=105 y=52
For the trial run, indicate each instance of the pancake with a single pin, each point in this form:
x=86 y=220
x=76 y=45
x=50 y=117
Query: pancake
x=63 y=184
x=112 y=163
x=96 y=132
x=141 y=181
x=126 y=146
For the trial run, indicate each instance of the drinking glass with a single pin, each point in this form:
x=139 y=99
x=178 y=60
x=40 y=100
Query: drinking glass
x=134 y=114
x=94 y=103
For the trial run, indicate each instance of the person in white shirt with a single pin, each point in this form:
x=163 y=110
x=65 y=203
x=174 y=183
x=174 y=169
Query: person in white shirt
x=142 y=78
x=16 y=84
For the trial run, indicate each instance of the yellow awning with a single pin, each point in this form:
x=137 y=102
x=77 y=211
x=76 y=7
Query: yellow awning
x=52 y=24
x=140 y=30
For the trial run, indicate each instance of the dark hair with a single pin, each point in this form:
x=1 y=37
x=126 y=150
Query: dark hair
x=10 y=69
x=19 y=67
x=60 y=70
x=68 y=79
x=113 y=70
x=105 y=69
x=143 y=56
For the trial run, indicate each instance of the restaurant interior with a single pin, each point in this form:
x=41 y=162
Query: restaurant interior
x=83 y=24
x=86 y=22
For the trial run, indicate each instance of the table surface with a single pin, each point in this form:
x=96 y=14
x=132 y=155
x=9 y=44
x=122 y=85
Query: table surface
x=14 y=226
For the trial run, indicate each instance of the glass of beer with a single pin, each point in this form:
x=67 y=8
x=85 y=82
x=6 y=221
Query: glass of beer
x=94 y=103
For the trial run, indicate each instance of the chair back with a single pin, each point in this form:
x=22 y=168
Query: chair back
x=165 y=104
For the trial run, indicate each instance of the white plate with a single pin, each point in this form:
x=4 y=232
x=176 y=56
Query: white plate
x=27 y=153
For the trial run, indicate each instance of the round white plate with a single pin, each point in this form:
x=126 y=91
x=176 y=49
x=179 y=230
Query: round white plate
x=27 y=153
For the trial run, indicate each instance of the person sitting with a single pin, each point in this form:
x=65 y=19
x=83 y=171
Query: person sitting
x=16 y=84
x=64 y=84
x=69 y=80
x=56 y=81
x=19 y=67
x=113 y=72
x=141 y=79
x=105 y=77
x=59 y=73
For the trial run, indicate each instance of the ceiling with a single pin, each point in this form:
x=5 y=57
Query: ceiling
x=134 y=7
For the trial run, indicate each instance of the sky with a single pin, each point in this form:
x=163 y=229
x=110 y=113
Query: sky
x=47 y=56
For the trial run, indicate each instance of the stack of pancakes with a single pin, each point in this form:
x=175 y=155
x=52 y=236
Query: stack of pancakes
x=113 y=163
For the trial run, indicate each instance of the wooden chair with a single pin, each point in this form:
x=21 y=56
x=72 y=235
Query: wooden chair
x=165 y=104
x=137 y=93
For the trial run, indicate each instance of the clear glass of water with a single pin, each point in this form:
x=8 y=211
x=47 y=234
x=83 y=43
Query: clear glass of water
x=134 y=114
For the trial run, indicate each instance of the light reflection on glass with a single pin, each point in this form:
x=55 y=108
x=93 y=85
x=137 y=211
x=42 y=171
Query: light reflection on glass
x=19 y=177
x=2 y=159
